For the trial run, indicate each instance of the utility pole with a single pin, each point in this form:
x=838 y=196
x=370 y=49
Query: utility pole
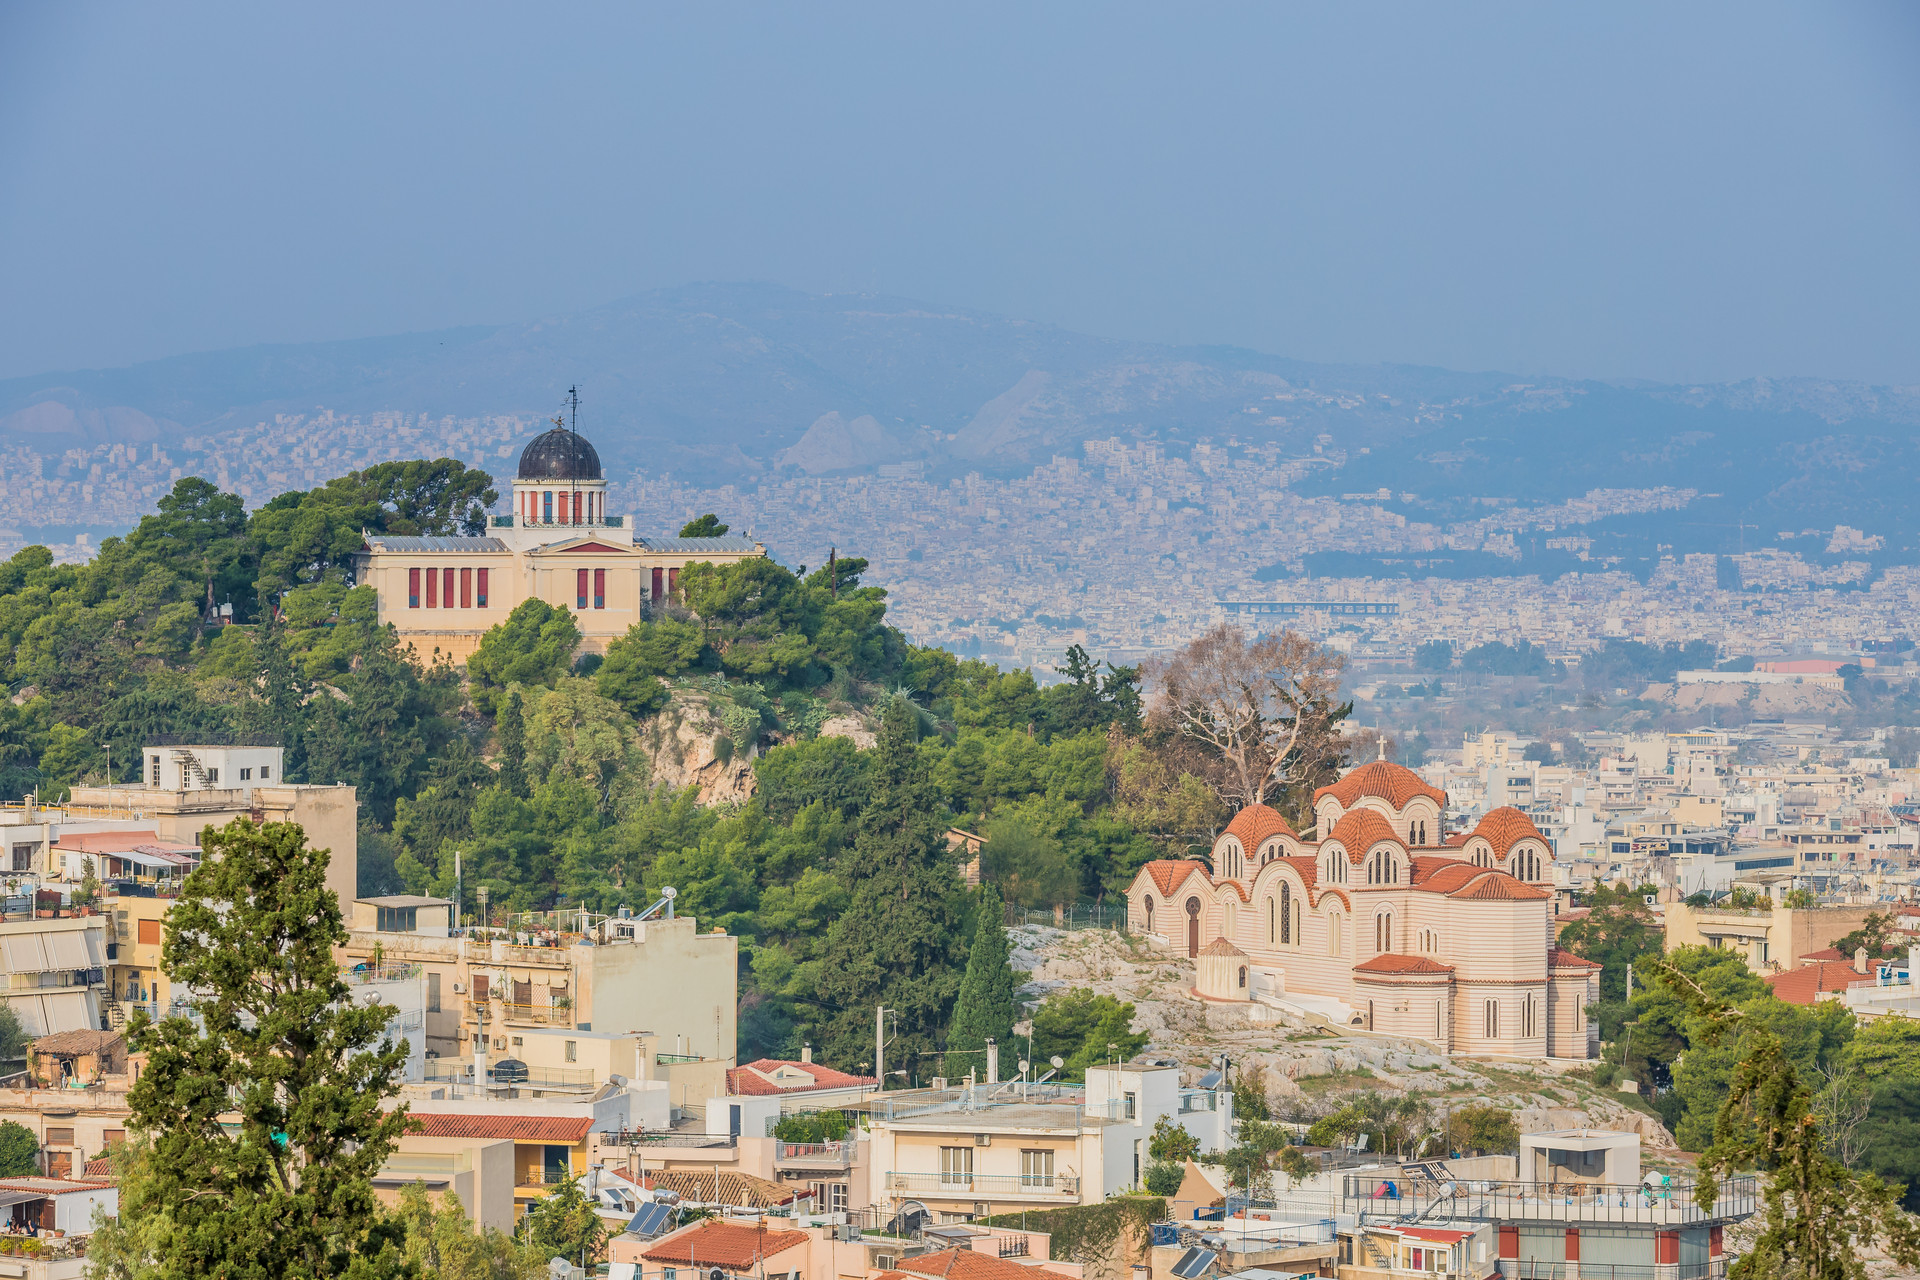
x=880 y=1047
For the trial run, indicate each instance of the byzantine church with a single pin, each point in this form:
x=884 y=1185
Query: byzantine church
x=1378 y=919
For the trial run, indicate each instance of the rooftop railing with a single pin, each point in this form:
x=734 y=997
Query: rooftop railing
x=1381 y=1197
x=988 y=1186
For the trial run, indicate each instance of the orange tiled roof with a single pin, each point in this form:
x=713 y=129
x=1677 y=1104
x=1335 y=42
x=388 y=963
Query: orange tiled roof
x=1360 y=830
x=1561 y=958
x=1803 y=985
x=1170 y=873
x=1221 y=947
x=1451 y=874
x=750 y=1079
x=965 y=1264
x=557 y=1130
x=1505 y=827
x=1388 y=962
x=1385 y=780
x=723 y=1244
x=727 y=1187
x=1256 y=823
x=1498 y=886
x=1425 y=864
x=1306 y=865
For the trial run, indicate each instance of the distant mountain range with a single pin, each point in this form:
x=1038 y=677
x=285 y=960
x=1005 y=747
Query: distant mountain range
x=740 y=382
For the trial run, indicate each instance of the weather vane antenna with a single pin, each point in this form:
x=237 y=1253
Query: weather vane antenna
x=573 y=402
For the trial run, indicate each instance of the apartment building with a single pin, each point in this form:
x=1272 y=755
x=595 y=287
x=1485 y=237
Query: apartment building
x=1771 y=938
x=980 y=1149
x=562 y=970
x=186 y=788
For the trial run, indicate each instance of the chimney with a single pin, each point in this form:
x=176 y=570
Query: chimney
x=993 y=1062
x=1860 y=960
x=806 y=1053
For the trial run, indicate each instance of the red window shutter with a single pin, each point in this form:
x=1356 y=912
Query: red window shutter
x=482 y=601
x=659 y=584
x=599 y=588
x=466 y=588
x=576 y=506
x=433 y=589
x=673 y=582
x=446 y=589
x=580 y=582
x=413 y=588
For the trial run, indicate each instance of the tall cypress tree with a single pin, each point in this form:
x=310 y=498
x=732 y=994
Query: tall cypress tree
x=511 y=733
x=985 y=1008
x=899 y=942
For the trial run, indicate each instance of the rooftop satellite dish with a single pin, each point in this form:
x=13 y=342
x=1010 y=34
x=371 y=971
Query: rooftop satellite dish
x=1056 y=1062
x=669 y=893
x=1025 y=1065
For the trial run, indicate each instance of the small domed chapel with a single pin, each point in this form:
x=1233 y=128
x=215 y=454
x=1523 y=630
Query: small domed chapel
x=1380 y=919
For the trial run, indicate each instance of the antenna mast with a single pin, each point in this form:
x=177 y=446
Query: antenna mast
x=573 y=402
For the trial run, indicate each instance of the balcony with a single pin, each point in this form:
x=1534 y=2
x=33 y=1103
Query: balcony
x=1383 y=1200
x=602 y=522
x=813 y=1155
x=987 y=1186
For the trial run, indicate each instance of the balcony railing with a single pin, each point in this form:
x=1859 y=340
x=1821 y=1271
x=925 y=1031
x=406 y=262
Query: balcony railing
x=988 y=1186
x=815 y=1154
x=544 y=1178
x=604 y=522
x=1384 y=1197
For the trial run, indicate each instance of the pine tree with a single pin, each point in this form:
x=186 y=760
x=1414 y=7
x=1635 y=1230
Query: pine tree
x=279 y=1042
x=899 y=942
x=1821 y=1218
x=985 y=1007
x=511 y=733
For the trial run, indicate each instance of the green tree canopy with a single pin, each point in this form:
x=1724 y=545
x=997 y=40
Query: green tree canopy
x=280 y=1044
x=19 y=1151
x=534 y=646
x=1083 y=1030
x=706 y=526
x=984 y=1009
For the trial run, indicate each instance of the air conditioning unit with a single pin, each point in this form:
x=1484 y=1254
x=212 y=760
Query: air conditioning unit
x=982 y=1139
x=459 y=988
x=1650 y=898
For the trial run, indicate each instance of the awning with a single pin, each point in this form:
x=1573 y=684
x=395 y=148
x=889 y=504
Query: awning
x=43 y=1015
x=153 y=858
x=20 y=1197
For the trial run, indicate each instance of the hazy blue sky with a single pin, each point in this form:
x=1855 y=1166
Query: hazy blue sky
x=1682 y=192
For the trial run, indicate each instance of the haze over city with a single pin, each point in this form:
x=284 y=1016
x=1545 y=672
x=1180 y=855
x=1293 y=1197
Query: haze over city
x=982 y=643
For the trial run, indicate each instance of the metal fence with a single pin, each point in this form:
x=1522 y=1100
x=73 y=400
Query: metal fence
x=1079 y=915
x=1380 y=1198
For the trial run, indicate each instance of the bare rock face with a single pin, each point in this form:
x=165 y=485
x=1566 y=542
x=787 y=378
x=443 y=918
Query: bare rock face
x=680 y=742
x=852 y=727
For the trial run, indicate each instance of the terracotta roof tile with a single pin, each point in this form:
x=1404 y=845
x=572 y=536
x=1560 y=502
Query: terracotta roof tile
x=557 y=1130
x=751 y=1079
x=1305 y=865
x=1256 y=823
x=1390 y=963
x=1360 y=830
x=1498 y=886
x=723 y=1244
x=1803 y=985
x=1169 y=873
x=1221 y=947
x=1449 y=875
x=1385 y=780
x=1561 y=958
x=1425 y=864
x=725 y=1186
x=965 y=1264
x=1505 y=827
